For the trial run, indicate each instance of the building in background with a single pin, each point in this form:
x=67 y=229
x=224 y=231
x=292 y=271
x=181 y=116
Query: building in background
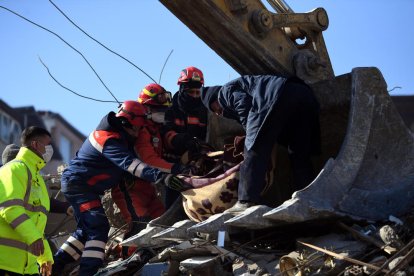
x=10 y=128
x=66 y=139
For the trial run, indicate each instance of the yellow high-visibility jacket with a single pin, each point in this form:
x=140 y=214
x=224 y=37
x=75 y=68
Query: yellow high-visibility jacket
x=23 y=213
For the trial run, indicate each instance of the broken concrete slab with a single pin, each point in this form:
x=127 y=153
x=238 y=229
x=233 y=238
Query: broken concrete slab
x=189 y=249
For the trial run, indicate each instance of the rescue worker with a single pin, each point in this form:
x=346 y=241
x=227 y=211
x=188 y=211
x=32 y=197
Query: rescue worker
x=56 y=206
x=185 y=125
x=98 y=166
x=137 y=198
x=24 y=204
x=270 y=108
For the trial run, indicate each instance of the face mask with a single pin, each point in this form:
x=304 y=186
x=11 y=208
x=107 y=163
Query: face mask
x=48 y=154
x=158 y=117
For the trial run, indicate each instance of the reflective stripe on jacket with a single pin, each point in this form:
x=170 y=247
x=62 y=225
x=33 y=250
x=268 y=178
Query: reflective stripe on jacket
x=105 y=156
x=23 y=220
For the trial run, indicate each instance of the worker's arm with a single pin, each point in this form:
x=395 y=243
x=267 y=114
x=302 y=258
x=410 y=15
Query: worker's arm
x=13 y=187
x=242 y=103
x=118 y=153
x=144 y=148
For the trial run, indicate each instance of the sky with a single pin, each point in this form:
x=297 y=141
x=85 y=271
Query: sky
x=360 y=34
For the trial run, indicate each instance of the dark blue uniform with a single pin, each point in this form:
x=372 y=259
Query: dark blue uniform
x=271 y=109
x=98 y=166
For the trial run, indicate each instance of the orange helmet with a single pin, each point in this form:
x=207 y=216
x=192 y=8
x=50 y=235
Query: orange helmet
x=154 y=94
x=135 y=113
x=191 y=75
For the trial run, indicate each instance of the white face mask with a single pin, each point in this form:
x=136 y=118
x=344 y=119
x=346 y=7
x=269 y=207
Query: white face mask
x=48 y=154
x=158 y=117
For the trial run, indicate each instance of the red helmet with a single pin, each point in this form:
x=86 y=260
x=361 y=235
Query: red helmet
x=154 y=94
x=191 y=74
x=135 y=113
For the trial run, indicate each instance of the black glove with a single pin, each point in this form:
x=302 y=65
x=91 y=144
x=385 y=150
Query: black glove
x=175 y=183
x=193 y=145
x=197 y=147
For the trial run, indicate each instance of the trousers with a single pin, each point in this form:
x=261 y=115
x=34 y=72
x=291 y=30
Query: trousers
x=90 y=237
x=294 y=123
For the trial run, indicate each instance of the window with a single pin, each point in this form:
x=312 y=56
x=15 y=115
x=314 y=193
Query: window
x=9 y=130
x=15 y=134
x=65 y=149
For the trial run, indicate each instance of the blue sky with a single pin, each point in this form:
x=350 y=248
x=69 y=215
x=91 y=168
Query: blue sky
x=360 y=33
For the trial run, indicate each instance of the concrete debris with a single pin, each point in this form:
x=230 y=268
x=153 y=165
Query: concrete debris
x=390 y=237
x=154 y=269
x=341 y=244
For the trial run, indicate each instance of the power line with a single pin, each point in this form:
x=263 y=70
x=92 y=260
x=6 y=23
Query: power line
x=162 y=70
x=67 y=43
x=70 y=90
x=110 y=50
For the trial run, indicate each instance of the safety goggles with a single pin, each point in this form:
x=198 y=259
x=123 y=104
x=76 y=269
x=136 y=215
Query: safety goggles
x=163 y=98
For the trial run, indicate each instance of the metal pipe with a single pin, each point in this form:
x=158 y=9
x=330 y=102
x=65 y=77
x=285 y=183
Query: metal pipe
x=280 y=6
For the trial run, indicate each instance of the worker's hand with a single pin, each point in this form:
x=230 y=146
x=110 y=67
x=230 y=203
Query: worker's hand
x=46 y=269
x=37 y=248
x=70 y=211
x=175 y=183
x=193 y=145
x=197 y=147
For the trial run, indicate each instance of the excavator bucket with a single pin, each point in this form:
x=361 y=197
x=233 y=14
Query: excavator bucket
x=372 y=176
x=366 y=169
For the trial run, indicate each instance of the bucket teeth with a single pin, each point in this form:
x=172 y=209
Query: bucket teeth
x=252 y=218
x=212 y=224
x=177 y=232
x=144 y=238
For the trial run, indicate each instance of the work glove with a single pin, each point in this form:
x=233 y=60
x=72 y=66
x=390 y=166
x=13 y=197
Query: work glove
x=173 y=182
x=196 y=148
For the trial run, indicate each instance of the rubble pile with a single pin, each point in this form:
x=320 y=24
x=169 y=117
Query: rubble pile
x=315 y=248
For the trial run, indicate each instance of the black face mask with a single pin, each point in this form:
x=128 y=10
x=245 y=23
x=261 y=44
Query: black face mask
x=188 y=103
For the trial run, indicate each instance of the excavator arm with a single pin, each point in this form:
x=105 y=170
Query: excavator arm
x=254 y=40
